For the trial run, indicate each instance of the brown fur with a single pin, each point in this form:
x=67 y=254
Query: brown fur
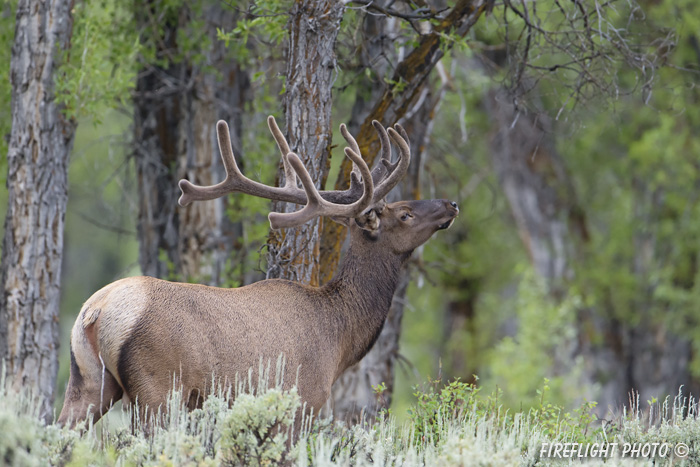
x=135 y=335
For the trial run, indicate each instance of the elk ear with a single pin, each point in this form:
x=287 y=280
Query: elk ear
x=368 y=221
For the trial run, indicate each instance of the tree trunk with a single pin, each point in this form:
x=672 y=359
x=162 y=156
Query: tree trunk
x=542 y=200
x=313 y=28
x=208 y=239
x=538 y=189
x=643 y=356
x=39 y=149
x=377 y=53
x=176 y=109
x=460 y=351
x=354 y=391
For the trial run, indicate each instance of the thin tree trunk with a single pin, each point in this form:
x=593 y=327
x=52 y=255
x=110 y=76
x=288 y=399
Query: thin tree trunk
x=177 y=107
x=353 y=390
x=642 y=356
x=313 y=28
x=39 y=149
x=162 y=100
x=207 y=237
x=460 y=351
x=657 y=359
x=538 y=189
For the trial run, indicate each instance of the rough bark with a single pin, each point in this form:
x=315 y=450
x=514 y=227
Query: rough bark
x=313 y=28
x=40 y=143
x=159 y=103
x=208 y=239
x=176 y=109
x=376 y=52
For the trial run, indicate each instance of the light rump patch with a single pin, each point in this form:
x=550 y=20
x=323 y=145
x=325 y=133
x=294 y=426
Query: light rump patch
x=115 y=325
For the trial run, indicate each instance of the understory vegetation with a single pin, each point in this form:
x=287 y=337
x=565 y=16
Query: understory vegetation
x=447 y=424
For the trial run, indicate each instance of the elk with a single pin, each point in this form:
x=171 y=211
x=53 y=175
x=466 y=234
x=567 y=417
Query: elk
x=134 y=336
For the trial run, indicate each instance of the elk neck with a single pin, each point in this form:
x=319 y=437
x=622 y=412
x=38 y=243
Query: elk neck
x=360 y=295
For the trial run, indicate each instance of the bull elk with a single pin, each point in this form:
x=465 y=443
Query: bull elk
x=135 y=335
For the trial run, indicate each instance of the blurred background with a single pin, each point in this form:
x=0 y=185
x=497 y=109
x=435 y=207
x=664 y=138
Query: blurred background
x=567 y=133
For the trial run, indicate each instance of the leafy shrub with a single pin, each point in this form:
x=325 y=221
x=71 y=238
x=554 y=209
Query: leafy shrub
x=433 y=407
x=557 y=424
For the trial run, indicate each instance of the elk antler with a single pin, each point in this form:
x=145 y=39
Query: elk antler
x=349 y=203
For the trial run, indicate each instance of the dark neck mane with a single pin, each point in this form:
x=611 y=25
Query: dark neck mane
x=361 y=292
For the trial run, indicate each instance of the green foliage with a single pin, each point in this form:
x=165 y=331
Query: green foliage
x=637 y=177
x=457 y=401
x=172 y=274
x=519 y=363
x=99 y=70
x=558 y=424
x=7 y=33
x=634 y=168
x=25 y=440
x=253 y=430
x=435 y=405
x=397 y=87
x=263 y=28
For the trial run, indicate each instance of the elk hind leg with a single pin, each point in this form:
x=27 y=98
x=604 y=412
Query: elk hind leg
x=91 y=392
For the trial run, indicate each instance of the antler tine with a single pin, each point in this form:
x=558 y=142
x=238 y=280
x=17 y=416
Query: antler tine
x=191 y=192
x=403 y=134
x=349 y=138
x=398 y=170
x=355 y=173
x=290 y=178
x=235 y=181
x=316 y=205
x=383 y=167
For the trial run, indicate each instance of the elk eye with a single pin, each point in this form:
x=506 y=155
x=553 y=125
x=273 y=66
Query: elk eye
x=405 y=216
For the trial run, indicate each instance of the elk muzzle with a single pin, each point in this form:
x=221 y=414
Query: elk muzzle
x=454 y=211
